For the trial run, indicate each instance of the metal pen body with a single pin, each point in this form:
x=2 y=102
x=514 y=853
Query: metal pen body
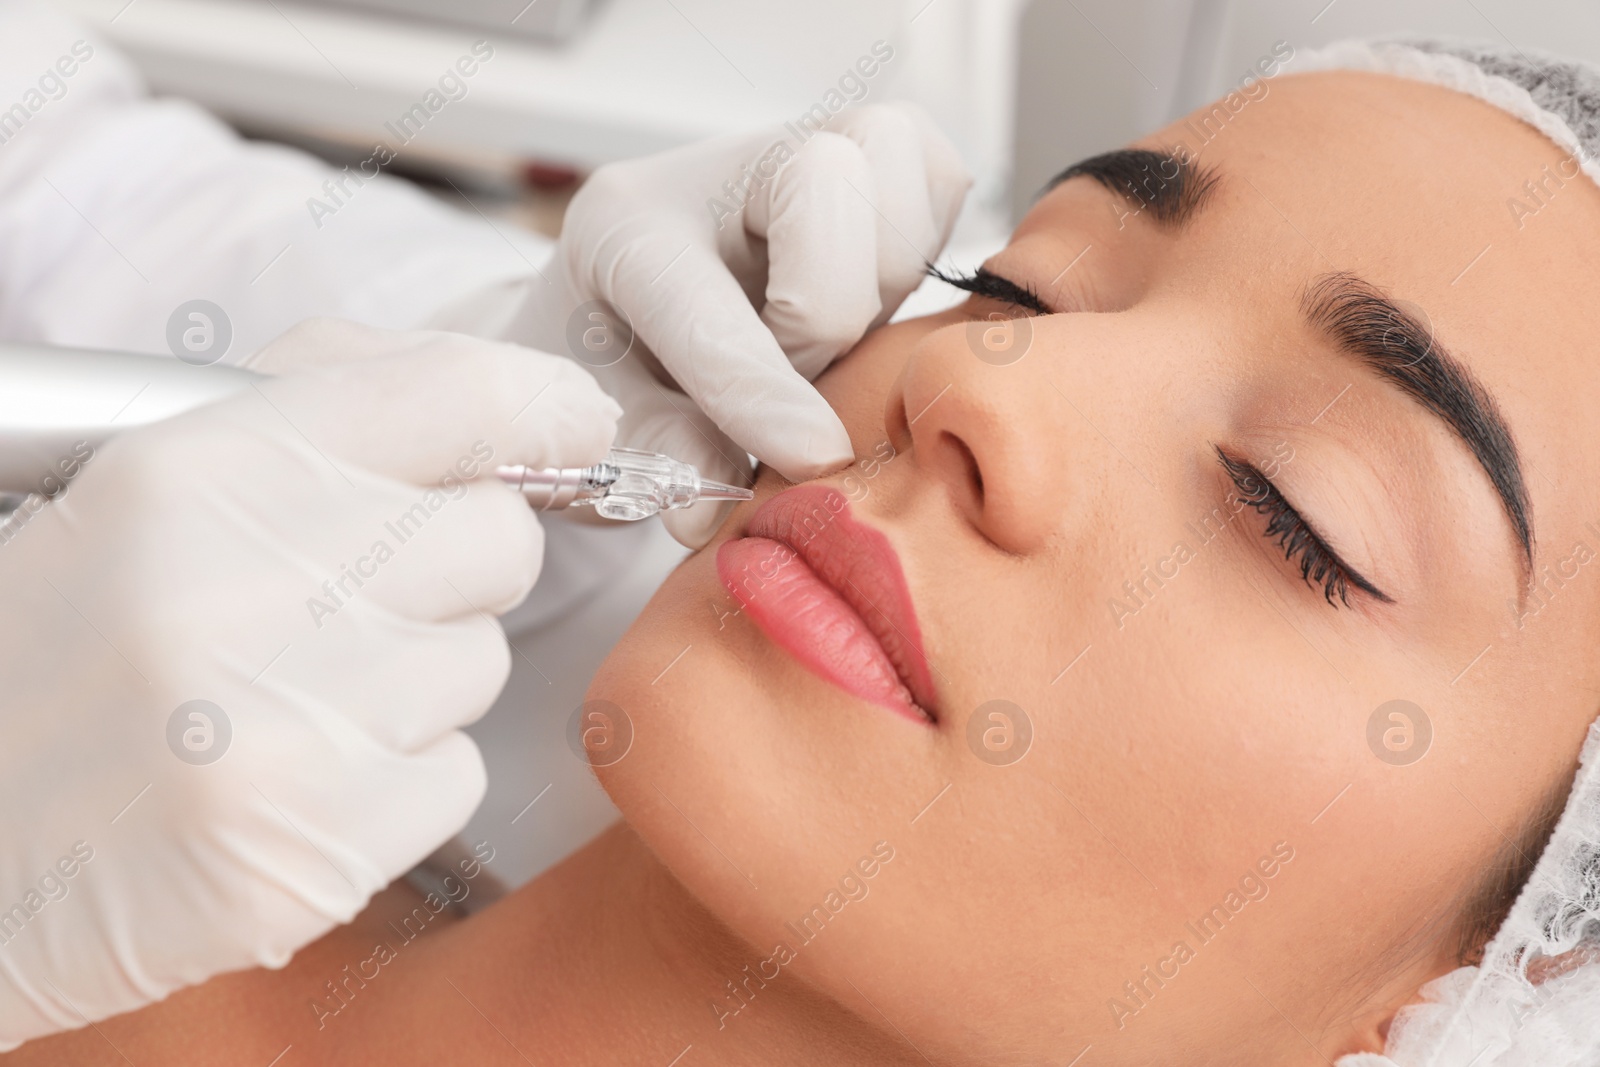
x=58 y=404
x=55 y=402
x=552 y=488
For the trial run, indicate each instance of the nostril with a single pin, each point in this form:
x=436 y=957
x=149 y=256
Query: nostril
x=970 y=462
x=897 y=424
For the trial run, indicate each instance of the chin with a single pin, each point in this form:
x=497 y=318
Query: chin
x=745 y=770
x=697 y=715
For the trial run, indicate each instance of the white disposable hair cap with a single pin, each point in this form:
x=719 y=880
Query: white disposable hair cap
x=1534 y=1000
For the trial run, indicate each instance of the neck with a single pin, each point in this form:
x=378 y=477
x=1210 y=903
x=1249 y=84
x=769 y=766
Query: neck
x=616 y=962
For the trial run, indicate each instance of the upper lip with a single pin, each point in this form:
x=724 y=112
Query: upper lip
x=860 y=564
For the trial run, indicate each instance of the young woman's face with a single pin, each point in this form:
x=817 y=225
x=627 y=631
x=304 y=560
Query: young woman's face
x=1197 y=821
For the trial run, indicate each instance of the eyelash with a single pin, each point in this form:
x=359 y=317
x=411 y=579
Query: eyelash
x=986 y=283
x=1319 y=564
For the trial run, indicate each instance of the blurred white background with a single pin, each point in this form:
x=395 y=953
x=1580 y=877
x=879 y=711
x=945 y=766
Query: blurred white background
x=1023 y=89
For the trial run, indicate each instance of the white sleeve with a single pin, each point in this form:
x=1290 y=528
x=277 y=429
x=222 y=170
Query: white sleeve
x=115 y=208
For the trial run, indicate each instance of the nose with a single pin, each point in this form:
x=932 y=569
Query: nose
x=987 y=420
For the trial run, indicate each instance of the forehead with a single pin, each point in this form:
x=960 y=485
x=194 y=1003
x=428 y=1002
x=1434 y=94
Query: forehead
x=1443 y=201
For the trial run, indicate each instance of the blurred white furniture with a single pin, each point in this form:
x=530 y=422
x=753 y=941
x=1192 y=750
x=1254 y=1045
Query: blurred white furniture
x=637 y=76
x=550 y=19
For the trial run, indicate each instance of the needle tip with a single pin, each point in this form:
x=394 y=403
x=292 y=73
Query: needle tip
x=718 y=491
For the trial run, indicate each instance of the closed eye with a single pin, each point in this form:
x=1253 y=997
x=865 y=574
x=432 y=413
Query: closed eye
x=984 y=282
x=1319 y=565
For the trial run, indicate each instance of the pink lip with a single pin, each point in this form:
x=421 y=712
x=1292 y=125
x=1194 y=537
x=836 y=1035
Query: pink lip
x=829 y=591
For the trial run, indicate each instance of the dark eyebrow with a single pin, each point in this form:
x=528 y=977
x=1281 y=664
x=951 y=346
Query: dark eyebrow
x=1367 y=325
x=1172 y=188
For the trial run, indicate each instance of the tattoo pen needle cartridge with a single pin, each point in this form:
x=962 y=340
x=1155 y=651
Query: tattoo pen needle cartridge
x=628 y=484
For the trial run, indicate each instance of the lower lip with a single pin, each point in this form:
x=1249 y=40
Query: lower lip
x=807 y=618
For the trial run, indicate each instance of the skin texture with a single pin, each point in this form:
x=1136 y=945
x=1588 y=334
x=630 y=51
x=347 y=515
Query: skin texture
x=1179 y=751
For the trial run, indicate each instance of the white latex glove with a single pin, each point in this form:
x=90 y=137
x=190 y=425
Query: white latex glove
x=741 y=306
x=184 y=564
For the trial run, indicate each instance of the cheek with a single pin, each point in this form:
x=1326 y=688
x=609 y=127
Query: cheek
x=861 y=383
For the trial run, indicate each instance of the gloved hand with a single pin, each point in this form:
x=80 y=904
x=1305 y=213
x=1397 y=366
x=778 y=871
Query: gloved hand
x=238 y=653
x=741 y=298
